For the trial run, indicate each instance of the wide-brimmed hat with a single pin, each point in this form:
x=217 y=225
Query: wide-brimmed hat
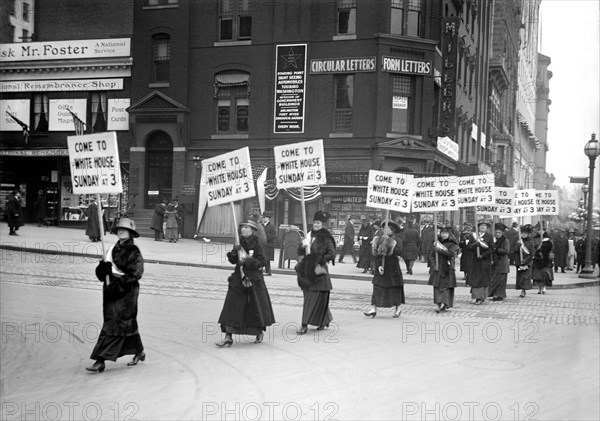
x=321 y=216
x=486 y=222
x=267 y=214
x=393 y=226
x=127 y=224
x=499 y=226
x=250 y=224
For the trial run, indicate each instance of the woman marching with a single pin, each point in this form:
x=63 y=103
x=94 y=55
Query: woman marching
x=542 y=265
x=500 y=263
x=318 y=248
x=247 y=308
x=388 y=285
x=442 y=275
x=480 y=271
x=522 y=256
x=124 y=268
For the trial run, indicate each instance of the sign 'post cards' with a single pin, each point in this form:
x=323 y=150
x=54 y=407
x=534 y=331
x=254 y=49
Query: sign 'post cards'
x=228 y=177
x=300 y=164
x=389 y=190
x=524 y=203
x=95 y=166
x=432 y=194
x=546 y=202
x=475 y=190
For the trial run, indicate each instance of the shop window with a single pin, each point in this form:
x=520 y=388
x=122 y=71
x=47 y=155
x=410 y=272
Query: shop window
x=235 y=20
x=232 y=91
x=346 y=13
x=406 y=17
x=99 y=110
x=344 y=98
x=41 y=104
x=161 y=57
x=402 y=103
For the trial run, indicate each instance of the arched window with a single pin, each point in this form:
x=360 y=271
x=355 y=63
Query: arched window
x=161 y=57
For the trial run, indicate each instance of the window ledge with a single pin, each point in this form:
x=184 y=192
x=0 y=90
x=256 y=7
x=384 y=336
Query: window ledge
x=231 y=43
x=159 y=85
x=344 y=37
x=161 y=6
x=230 y=136
x=337 y=135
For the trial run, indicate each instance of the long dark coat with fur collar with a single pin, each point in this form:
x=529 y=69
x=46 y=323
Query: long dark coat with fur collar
x=247 y=306
x=120 y=296
x=386 y=251
x=322 y=250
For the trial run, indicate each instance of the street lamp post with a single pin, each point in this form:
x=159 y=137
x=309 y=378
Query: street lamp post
x=197 y=162
x=592 y=151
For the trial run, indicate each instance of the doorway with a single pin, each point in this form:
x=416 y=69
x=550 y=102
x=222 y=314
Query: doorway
x=159 y=169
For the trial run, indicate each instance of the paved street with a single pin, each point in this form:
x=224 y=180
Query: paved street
x=532 y=358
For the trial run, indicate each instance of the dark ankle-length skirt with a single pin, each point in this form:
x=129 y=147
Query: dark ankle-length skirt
x=443 y=296
x=498 y=285
x=479 y=293
x=316 y=308
x=387 y=296
x=523 y=280
x=111 y=347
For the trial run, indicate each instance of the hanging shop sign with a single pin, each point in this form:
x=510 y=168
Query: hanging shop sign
x=290 y=81
x=448 y=147
x=118 y=117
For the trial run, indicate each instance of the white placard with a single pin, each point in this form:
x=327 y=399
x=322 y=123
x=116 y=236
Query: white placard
x=300 y=164
x=95 y=164
x=17 y=107
x=475 y=190
x=389 y=190
x=524 y=203
x=228 y=177
x=504 y=198
x=448 y=147
x=432 y=194
x=118 y=117
x=546 y=202
x=59 y=117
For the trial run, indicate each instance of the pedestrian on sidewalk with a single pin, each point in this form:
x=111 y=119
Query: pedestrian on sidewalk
x=12 y=212
x=560 y=248
x=124 y=268
x=427 y=240
x=542 y=265
x=522 y=256
x=92 y=226
x=157 y=220
x=442 y=275
x=466 y=255
x=388 y=285
x=513 y=236
x=318 y=248
x=247 y=308
x=571 y=253
x=348 y=247
x=171 y=226
x=271 y=234
x=40 y=208
x=480 y=272
x=365 y=236
x=500 y=263
x=410 y=246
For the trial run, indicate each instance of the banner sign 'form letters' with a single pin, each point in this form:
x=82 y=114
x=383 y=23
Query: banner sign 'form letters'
x=389 y=190
x=95 y=166
x=300 y=164
x=228 y=177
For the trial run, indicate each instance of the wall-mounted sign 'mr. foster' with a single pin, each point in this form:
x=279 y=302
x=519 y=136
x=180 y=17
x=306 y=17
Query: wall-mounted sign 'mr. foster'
x=60 y=50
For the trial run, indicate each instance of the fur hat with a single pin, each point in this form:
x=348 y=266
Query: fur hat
x=250 y=224
x=499 y=226
x=526 y=229
x=393 y=226
x=127 y=224
x=321 y=216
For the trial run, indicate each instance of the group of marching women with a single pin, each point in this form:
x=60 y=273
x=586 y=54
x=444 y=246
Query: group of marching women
x=247 y=308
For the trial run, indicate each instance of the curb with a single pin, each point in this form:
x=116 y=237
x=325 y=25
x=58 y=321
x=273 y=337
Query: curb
x=289 y=272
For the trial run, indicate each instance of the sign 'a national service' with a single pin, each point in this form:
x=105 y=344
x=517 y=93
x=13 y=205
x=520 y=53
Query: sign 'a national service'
x=228 y=177
x=300 y=164
x=95 y=164
x=388 y=190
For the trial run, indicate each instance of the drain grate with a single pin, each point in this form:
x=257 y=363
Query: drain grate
x=55 y=283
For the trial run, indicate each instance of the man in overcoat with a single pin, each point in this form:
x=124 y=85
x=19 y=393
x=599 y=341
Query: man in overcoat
x=271 y=234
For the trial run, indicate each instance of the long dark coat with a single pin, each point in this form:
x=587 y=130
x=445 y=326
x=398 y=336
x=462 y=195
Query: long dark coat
x=322 y=250
x=466 y=256
x=271 y=233
x=247 y=307
x=445 y=275
x=542 y=263
x=386 y=251
x=158 y=217
x=13 y=212
x=92 y=226
x=427 y=239
x=500 y=256
x=560 y=248
x=513 y=236
x=120 y=296
x=410 y=243
x=41 y=208
x=365 y=236
x=480 y=271
x=523 y=280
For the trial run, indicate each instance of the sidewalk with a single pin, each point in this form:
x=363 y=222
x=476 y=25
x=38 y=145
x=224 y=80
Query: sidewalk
x=190 y=252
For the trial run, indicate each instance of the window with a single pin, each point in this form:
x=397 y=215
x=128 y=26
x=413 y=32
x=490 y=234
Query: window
x=99 y=109
x=401 y=103
x=161 y=2
x=161 y=56
x=406 y=17
x=346 y=16
x=232 y=90
x=25 y=36
x=344 y=98
x=11 y=33
x=41 y=105
x=26 y=12
x=235 y=20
